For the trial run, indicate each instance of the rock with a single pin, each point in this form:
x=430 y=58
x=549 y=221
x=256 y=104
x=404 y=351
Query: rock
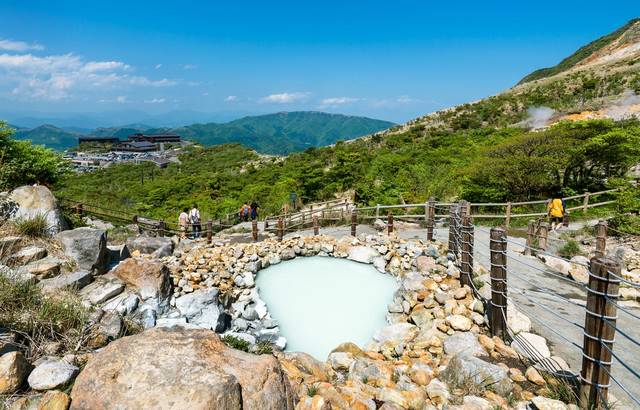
x=517 y=321
x=544 y=403
x=74 y=280
x=307 y=364
x=340 y=361
x=531 y=346
x=412 y=281
x=379 y=225
x=102 y=290
x=463 y=342
x=396 y=333
x=30 y=201
x=425 y=264
x=464 y=367
x=459 y=322
x=581 y=260
x=54 y=400
x=14 y=370
x=348 y=347
x=362 y=254
x=210 y=375
x=150 y=278
x=8 y=341
x=87 y=247
x=557 y=264
x=125 y=304
x=579 y=273
x=147 y=245
x=438 y=392
x=534 y=377
x=553 y=364
x=380 y=264
x=26 y=255
x=476 y=403
x=110 y=325
x=201 y=308
x=51 y=375
x=42 y=269
x=171 y=322
x=30 y=402
x=9 y=244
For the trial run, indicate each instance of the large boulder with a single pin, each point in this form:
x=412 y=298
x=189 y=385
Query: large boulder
x=148 y=245
x=178 y=368
x=151 y=278
x=464 y=368
x=87 y=247
x=30 y=201
x=14 y=370
x=200 y=308
x=362 y=254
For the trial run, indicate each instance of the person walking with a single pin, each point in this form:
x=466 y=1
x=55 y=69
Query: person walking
x=556 y=211
x=194 y=217
x=183 y=222
x=254 y=211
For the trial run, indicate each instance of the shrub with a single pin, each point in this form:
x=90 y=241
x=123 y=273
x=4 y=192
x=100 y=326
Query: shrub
x=312 y=390
x=236 y=342
x=40 y=318
x=570 y=249
x=36 y=227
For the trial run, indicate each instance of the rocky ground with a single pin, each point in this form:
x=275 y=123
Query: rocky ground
x=158 y=312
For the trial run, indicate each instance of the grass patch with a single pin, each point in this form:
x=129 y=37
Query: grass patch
x=312 y=390
x=559 y=389
x=236 y=342
x=264 y=347
x=36 y=227
x=570 y=249
x=40 y=319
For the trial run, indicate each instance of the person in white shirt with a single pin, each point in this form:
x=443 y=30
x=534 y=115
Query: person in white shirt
x=183 y=221
x=194 y=218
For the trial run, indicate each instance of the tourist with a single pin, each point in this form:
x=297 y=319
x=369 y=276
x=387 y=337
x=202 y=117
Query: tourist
x=194 y=217
x=244 y=212
x=254 y=211
x=183 y=221
x=556 y=211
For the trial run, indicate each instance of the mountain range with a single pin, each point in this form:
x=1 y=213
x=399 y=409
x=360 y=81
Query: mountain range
x=279 y=133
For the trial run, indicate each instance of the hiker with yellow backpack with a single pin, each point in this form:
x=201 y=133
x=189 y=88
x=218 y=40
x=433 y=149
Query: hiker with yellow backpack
x=556 y=211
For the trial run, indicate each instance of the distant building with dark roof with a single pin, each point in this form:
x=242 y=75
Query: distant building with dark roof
x=155 y=138
x=137 y=146
x=101 y=140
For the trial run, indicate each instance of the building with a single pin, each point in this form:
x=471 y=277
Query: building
x=137 y=146
x=155 y=138
x=100 y=140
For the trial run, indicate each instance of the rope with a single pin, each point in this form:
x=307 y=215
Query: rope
x=618 y=330
x=624 y=389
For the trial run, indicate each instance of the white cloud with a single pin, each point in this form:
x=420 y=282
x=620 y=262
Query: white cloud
x=155 y=101
x=57 y=77
x=285 y=98
x=19 y=46
x=189 y=66
x=405 y=99
x=231 y=98
x=121 y=99
x=338 y=101
x=158 y=66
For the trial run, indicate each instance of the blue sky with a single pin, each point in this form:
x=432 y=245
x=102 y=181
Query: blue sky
x=392 y=60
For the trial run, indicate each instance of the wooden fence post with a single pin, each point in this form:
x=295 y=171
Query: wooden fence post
x=354 y=222
x=452 y=230
x=254 y=230
x=79 y=210
x=135 y=219
x=466 y=268
x=599 y=332
x=280 y=229
x=498 y=313
x=531 y=231
x=266 y=224
x=316 y=226
x=585 y=203
x=601 y=239
x=209 y=231
x=431 y=219
x=389 y=223
x=507 y=219
x=543 y=232
x=377 y=211
x=161 y=226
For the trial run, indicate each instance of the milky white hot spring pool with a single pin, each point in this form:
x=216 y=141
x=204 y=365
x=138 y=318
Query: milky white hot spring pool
x=321 y=302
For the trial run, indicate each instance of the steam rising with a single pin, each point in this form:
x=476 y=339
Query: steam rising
x=539 y=117
x=626 y=107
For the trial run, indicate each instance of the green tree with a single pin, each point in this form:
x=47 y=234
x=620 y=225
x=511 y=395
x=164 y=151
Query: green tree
x=23 y=163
